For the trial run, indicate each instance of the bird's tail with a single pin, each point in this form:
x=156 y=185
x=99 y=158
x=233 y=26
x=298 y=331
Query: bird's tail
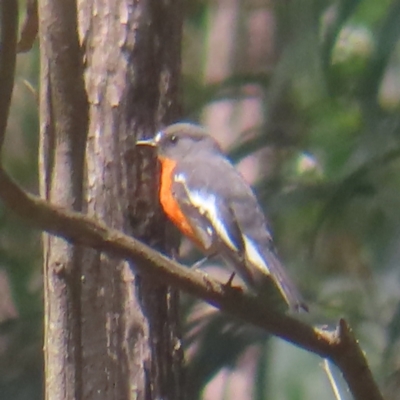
x=285 y=285
x=263 y=268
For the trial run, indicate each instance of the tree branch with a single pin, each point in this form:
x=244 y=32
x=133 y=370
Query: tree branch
x=339 y=346
x=9 y=30
x=29 y=30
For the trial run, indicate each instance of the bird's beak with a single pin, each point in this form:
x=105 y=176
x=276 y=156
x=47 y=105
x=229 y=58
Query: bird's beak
x=146 y=142
x=153 y=142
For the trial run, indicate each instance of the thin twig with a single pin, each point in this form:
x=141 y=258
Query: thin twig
x=328 y=370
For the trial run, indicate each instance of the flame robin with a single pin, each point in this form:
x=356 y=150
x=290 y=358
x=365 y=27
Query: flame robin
x=209 y=201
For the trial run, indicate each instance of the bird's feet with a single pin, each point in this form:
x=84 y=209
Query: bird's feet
x=228 y=284
x=199 y=263
x=203 y=260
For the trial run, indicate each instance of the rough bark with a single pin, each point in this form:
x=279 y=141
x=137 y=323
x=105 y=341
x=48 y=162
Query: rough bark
x=63 y=126
x=109 y=75
x=339 y=346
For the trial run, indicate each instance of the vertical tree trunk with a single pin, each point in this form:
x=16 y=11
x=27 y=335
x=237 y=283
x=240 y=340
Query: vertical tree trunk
x=109 y=75
x=63 y=125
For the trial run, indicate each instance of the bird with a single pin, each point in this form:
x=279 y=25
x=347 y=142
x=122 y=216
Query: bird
x=210 y=202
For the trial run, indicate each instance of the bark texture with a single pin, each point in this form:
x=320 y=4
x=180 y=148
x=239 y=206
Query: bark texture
x=109 y=75
x=63 y=128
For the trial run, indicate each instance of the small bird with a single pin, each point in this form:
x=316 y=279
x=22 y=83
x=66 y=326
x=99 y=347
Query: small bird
x=203 y=194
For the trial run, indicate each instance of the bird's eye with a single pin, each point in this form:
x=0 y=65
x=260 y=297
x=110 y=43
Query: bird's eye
x=173 y=139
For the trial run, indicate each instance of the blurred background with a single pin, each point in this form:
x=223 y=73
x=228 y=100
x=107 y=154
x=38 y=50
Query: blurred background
x=305 y=98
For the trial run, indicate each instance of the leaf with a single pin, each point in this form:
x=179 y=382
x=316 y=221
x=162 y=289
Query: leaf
x=344 y=10
x=387 y=39
x=354 y=184
x=217 y=342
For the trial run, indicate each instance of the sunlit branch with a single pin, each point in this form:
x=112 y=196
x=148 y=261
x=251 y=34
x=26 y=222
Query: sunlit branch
x=339 y=346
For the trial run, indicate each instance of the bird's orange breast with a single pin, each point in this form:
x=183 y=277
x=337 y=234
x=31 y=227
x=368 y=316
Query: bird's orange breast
x=168 y=201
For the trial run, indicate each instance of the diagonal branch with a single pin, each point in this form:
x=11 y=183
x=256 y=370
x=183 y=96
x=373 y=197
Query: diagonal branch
x=339 y=346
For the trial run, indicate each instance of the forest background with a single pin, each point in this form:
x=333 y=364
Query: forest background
x=305 y=98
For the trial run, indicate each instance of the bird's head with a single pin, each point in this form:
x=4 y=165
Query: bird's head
x=180 y=140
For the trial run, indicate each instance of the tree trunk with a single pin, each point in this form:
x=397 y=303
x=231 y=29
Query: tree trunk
x=109 y=75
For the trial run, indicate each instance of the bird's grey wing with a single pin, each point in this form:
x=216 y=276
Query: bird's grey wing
x=224 y=211
x=262 y=261
x=264 y=264
x=211 y=219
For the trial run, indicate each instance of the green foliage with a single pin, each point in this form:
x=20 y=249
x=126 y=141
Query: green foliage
x=330 y=119
x=21 y=356
x=328 y=142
